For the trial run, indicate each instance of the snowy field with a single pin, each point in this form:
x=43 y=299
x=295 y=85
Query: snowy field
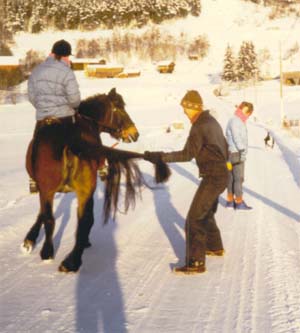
x=125 y=283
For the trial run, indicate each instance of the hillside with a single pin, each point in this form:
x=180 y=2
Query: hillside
x=126 y=282
x=244 y=21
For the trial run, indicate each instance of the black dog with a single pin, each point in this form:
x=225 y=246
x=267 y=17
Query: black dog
x=269 y=141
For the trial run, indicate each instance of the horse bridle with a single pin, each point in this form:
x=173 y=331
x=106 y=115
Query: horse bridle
x=107 y=128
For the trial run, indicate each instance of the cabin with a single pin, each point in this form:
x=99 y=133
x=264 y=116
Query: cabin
x=293 y=125
x=291 y=78
x=129 y=74
x=80 y=64
x=10 y=72
x=103 y=71
x=194 y=57
x=8 y=63
x=164 y=67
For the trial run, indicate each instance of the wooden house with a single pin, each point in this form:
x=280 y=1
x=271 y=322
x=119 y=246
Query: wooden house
x=80 y=64
x=8 y=63
x=164 y=67
x=129 y=74
x=103 y=71
x=194 y=57
x=291 y=78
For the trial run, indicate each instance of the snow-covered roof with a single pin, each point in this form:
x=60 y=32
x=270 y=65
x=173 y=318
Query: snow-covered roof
x=85 y=60
x=9 y=61
x=131 y=71
x=106 y=66
x=165 y=63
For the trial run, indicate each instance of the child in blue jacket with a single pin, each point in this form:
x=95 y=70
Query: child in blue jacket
x=237 y=138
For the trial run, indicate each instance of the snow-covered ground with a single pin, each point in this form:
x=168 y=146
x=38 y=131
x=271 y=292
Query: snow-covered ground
x=126 y=283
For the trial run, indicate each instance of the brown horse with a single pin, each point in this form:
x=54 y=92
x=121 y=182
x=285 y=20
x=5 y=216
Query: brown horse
x=65 y=157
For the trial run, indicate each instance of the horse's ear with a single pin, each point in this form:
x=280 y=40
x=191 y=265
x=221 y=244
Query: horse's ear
x=113 y=92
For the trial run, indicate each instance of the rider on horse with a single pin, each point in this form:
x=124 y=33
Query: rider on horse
x=54 y=92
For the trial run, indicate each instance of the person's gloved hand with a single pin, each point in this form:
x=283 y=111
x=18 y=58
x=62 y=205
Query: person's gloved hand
x=153 y=156
x=242 y=155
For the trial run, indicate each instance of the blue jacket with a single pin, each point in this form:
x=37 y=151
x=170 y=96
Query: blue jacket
x=53 y=89
x=237 y=136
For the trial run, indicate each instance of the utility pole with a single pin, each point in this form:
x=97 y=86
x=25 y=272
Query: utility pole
x=281 y=88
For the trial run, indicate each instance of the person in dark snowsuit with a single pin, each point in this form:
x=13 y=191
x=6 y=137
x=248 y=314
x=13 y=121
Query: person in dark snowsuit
x=207 y=144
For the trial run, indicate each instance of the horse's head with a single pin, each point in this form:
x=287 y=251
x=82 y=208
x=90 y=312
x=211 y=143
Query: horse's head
x=126 y=129
x=108 y=111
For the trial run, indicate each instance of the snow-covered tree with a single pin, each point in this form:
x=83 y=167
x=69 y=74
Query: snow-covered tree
x=195 y=7
x=247 y=66
x=253 y=62
x=35 y=15
x=229 y=65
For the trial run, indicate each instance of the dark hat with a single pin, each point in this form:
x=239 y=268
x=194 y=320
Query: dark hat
x=192 y=100
x=62 y=48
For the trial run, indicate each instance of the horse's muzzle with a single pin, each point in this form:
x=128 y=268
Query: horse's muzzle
x=130 y=134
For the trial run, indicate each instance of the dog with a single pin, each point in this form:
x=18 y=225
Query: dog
x=269 y=141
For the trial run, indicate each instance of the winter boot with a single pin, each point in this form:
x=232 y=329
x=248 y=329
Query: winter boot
x=194 y=267
x=32 y=186
x=103 y=172
x=230 y=204
x=215 y=253
x=242 y=206
x=230 y=201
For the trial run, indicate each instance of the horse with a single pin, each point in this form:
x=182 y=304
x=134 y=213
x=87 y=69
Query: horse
x=64 y=158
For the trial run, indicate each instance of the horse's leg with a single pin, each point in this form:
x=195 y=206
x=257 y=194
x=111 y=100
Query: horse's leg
x=85 y=222
x=47 y=251
x=32 y=235
x=45 y=216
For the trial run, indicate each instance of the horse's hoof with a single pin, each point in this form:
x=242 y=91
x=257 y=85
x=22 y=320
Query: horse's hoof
x=62 y=268
x=47 y=252
x=27 y=246
x=70 y=265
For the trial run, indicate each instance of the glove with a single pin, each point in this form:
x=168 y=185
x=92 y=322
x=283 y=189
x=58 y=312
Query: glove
x=242 y=155
x=153 y=156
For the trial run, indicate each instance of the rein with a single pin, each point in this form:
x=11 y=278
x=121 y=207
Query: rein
x=103 y=126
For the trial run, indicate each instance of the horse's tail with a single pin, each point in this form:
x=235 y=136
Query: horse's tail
x=121 y=162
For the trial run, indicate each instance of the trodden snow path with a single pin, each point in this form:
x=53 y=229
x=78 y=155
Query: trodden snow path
x=126 y=283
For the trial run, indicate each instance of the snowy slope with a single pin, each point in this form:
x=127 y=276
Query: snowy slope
x=125 y=283
x=224 y=22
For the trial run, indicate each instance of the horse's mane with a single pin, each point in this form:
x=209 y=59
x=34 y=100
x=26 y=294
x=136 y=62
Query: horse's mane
x=94 y=106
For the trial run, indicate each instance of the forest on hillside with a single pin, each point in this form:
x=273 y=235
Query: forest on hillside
x=37 y=15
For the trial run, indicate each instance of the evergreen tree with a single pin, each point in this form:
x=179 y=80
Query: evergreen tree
x=247 y=66
x=195 y=7
x=35 y=15
x=229 y=66
x=253 y=62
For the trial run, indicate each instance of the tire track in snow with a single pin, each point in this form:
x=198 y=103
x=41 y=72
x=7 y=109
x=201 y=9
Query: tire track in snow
x=215 y=309
x=236 y=306
x=284 y=286
x=281 y=288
